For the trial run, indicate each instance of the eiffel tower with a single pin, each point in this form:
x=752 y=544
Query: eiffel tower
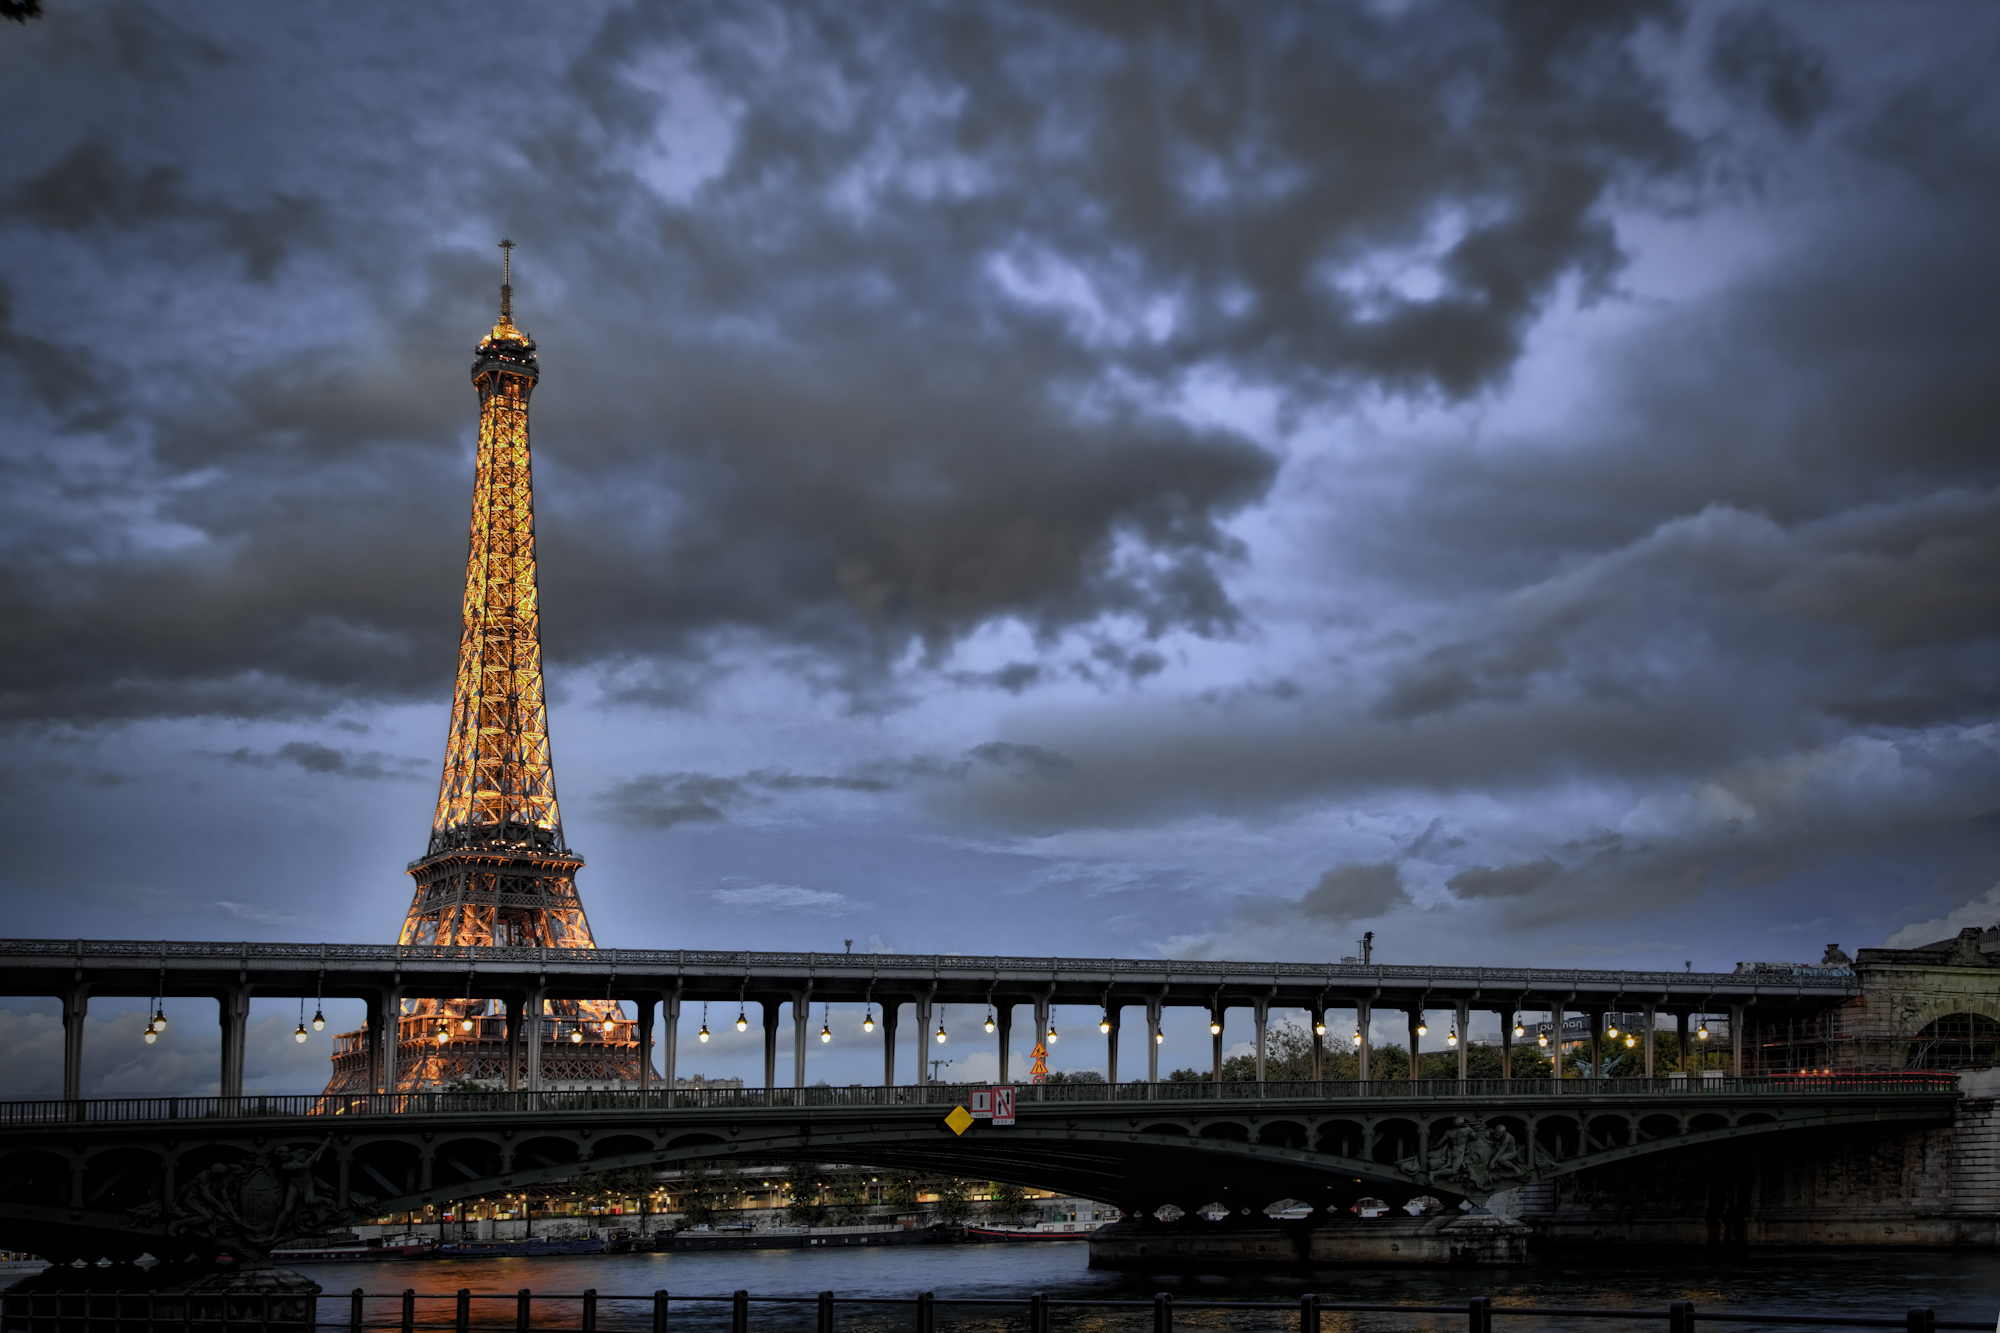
x=497 y=870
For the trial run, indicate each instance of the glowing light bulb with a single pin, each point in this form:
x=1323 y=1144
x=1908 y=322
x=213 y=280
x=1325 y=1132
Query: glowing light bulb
x=1702 y=1032
x=1519 y=1029
x=1451 y=1037
x=319 y=1021
x=1357 y=1036
x=1159 y=1037
x=1421 y=1029
x=1214 y=1027
x=1052 y=1033
x=1630 y=1041
x=1542 y=1039
x=703 y=1034
x=576 y=1035
x=825 y=1033
x=465 y=1023
x=151 y=1036
x=940 y=1034
x=610 y=1026
x=742 y=1023
x=989 y=1020
x=1104 y=1025
x=160 y=1020
x=1611 y=1031
x=868 y=1022
x=300 y=1035
x=1319 y=1028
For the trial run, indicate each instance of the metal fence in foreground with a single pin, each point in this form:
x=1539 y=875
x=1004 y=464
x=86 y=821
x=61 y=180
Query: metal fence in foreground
x=466 y=1311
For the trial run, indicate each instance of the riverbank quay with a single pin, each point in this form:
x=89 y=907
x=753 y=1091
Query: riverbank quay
x=272 y=1301
x=1957 y=1286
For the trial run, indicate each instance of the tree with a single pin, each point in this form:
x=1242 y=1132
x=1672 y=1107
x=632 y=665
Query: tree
x=808 y=1185
x=634 y=1182
x=954 y=1200
x=703 y=1191
x=1077 y=1076
x=1009 y=1201
x=900 y=1189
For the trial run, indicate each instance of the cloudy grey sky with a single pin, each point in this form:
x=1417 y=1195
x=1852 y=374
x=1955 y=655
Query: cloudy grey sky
x=1074 y=478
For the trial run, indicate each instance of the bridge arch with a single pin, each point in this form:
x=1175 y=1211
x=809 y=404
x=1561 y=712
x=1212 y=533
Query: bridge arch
x=1960 y=1039
x=1985 y=1006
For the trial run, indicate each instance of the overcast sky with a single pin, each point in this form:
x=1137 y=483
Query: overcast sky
x=1121 y=478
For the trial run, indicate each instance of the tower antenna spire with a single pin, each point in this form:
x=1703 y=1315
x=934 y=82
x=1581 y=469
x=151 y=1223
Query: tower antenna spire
x=506 y=279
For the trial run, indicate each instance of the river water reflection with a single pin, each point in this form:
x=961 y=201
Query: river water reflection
x=1957 y=1285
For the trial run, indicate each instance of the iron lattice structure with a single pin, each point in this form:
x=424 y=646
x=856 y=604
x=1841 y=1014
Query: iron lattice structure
x=497 y=870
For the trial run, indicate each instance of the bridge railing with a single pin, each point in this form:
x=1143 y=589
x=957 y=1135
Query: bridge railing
x=953 y=1094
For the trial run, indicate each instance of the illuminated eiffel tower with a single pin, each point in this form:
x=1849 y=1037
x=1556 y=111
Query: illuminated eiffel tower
x=497 y=870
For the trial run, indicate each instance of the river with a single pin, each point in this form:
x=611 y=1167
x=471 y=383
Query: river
x=1957 y=1285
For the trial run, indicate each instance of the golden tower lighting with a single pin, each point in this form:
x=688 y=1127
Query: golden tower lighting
x=497 y=871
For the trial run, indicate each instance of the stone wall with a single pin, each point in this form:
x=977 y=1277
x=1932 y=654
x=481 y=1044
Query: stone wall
x=1855 y=1186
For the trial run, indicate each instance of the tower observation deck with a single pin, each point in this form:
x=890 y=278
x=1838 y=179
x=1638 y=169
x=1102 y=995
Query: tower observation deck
x=497 y=870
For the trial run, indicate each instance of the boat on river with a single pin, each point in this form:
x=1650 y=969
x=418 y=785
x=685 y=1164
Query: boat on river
x=355 y=1251
x=532 y=1246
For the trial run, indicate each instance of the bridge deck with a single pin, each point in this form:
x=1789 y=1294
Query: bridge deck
x=1484 y=1093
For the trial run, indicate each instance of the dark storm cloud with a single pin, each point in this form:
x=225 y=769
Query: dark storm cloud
x=861 y=327
x=1756 y=61
x=312 y=757
x=1355 y=892
x=664 y=800
x=1504 y=881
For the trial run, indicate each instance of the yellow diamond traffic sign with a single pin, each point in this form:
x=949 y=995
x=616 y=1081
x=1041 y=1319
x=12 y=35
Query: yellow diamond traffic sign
x=960 y=1120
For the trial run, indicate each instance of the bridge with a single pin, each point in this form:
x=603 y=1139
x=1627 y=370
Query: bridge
x=119 y=1178
x=245 y=1173
x=660 y=982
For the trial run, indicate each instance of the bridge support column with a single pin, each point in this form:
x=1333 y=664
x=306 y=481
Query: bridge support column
x=890 y=1009
x=1416 y=1017
x=1736 y=1041
x=1111 y=1043
x=1261 y=1012
x=516 y=1016
x=1556 y=1019
x=76 y=1007
x=1596 y=1018
x=1003 y=1022
x=1318 y=1017
x=645 y=1007
x=371 y=1035
x=670 y=1037
x=1215 y=1017
x=1464 y=1038
x=1041 y=1031
x=1153 y=1015
x=233 y=1007
x=1651 y=1011
x=1363 y=1015
x=769 y=1009
x=801 y=1014
x=923 y=1016
x=1507 y=1043
x=532 y=1027
x=1681 y=1027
